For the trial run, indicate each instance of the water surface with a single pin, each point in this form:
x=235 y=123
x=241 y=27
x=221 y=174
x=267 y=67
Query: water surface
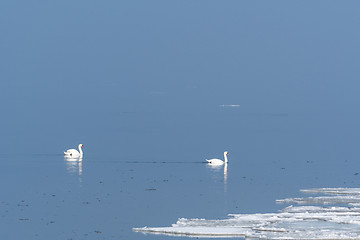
x=111 y=192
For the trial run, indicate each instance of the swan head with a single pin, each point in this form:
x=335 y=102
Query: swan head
x=226 y=153
x=80 y=145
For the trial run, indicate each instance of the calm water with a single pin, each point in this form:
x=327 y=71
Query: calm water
x=142 y=83
x=113 y=190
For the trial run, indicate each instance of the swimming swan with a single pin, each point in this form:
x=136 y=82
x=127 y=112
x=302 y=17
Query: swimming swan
x=73 y=153
x=216 y=161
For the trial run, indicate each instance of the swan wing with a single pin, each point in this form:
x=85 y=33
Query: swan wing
x=71 y=152
x=215 y=161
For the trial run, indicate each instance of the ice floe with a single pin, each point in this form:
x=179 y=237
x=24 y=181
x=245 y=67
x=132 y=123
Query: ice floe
x=334 y=217
x=230 y=105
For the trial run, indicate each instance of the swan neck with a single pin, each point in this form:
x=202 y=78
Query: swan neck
x=225 y=157
x=81 y=152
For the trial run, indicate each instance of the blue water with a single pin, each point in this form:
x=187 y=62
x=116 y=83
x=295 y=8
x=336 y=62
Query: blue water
x=142 y=83
x=113 y=190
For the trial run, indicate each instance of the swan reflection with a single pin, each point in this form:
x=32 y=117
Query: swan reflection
x=217 y=169
x=74 y=165
x=225 y=173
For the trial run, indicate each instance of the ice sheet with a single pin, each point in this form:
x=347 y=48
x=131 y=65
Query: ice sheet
x=292 y=222
x=230 y=105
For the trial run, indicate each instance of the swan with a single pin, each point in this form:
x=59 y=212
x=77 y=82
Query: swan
x=73 y=153
x=216 y=161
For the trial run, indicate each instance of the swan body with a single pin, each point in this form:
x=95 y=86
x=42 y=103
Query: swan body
x=73 y=153
x=217 y=162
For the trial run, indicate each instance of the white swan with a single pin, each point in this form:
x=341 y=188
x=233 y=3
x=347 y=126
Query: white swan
x=73 y=153
x=216 y=161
